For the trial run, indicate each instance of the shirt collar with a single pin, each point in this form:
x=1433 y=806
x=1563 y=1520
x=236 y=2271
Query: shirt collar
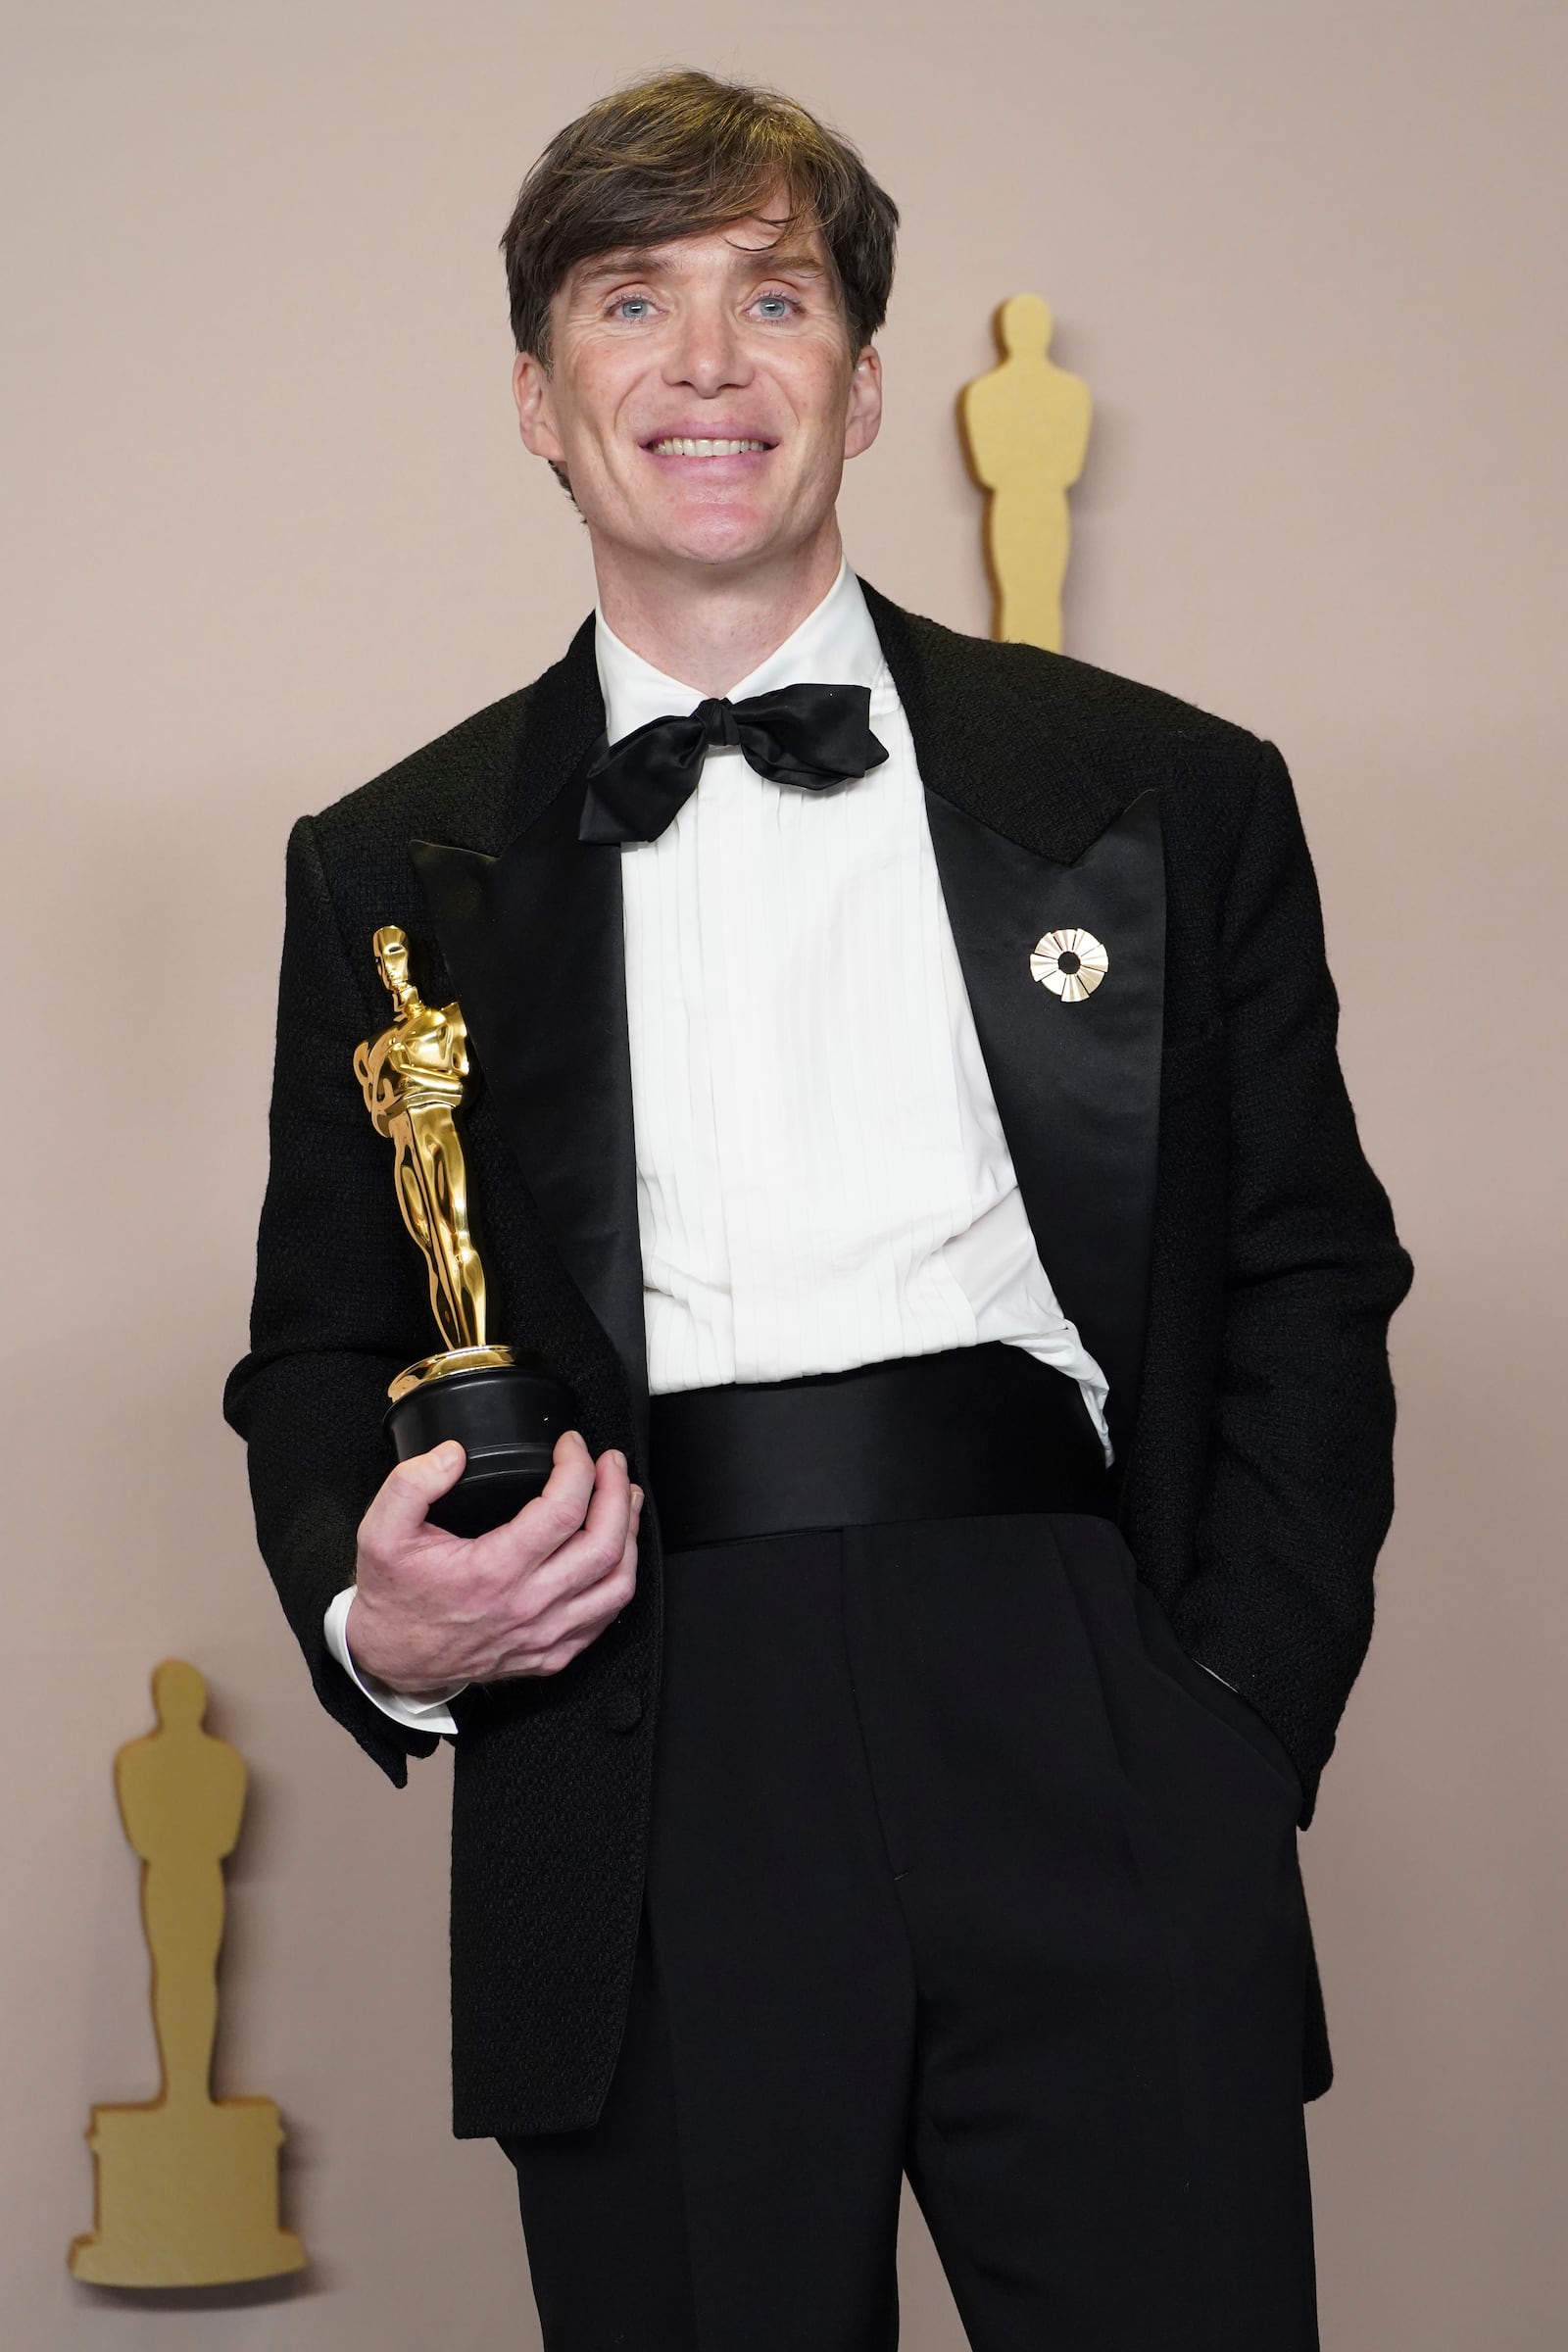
x=835 y=644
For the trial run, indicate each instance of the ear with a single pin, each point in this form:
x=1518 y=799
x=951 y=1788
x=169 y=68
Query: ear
x=864 y=415
x=536 y=409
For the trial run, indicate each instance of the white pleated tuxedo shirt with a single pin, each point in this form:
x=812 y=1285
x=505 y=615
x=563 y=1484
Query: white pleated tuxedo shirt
x=822 y=1179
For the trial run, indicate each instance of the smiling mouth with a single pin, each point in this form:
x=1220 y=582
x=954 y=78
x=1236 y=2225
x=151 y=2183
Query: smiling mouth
x=680 y=447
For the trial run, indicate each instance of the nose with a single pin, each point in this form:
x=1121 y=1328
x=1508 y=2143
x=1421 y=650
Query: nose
x=707 y=356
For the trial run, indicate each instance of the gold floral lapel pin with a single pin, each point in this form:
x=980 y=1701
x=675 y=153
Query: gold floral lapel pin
x=1070 y=963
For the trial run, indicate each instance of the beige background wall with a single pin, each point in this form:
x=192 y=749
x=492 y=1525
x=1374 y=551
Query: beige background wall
x=269 y=528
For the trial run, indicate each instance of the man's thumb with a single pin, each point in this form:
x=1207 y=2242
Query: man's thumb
x=416 y=1483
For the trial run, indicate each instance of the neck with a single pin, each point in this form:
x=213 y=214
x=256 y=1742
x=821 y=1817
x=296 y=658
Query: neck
x=706 y=624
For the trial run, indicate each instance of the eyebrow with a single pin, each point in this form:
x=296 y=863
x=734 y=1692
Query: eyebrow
x=644 y=260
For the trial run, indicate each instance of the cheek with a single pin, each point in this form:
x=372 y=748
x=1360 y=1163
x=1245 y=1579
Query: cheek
x=818 y=390
x=589 y=412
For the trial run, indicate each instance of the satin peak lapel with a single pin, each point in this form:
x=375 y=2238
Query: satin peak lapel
x=1076 y=1084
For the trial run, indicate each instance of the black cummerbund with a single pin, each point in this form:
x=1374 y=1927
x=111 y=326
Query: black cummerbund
x=964 y=1434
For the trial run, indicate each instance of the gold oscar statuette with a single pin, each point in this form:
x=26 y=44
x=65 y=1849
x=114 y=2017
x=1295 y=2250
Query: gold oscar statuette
x=506 y=1409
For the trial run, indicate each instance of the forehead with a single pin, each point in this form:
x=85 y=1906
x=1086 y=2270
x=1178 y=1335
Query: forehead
x=766 y=240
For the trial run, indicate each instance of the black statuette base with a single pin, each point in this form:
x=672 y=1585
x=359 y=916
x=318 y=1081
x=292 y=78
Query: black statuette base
x=505 y=1418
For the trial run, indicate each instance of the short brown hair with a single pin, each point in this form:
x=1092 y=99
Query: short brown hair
x=680 y=155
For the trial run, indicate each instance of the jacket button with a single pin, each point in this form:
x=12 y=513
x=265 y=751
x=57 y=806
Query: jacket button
x=624 y=1710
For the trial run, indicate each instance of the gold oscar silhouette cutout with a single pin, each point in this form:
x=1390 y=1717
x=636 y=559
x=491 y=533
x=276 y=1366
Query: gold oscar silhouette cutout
x=187 y=2185
x=412 y=1076
x=1026 y=425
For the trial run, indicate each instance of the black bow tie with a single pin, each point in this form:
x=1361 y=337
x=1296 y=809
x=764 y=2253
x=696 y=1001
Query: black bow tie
x=810 y=735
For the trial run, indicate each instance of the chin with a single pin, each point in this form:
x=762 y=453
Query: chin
x=716 y=538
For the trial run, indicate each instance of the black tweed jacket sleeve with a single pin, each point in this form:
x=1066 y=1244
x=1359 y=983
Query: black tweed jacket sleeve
x=338 y=1298
x=1262 y=1521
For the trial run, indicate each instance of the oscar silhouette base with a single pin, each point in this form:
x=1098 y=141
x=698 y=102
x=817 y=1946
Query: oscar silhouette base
x=505 y=1418
x=187 y=2196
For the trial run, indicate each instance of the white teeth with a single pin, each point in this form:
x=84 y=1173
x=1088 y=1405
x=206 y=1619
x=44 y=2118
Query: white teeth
x=704 y=449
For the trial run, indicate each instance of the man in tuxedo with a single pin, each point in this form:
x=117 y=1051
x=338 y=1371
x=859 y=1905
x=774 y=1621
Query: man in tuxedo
x=912 y=1126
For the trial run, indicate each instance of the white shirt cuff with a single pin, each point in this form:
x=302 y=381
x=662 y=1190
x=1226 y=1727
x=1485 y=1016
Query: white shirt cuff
x=429 y=1712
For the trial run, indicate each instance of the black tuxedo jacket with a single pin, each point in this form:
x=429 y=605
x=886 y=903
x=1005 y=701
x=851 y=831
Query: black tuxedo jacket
x=1184 y=1148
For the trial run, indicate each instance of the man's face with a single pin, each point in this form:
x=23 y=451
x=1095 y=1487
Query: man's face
x=702 y=395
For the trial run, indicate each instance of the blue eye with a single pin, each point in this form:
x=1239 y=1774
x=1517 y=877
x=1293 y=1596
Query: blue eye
x=630 y=303
x=774 y=306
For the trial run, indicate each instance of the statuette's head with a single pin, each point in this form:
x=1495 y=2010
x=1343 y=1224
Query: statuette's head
x=179 y=1695
x=391 y=948
x=1024 y=325
x=695 y=272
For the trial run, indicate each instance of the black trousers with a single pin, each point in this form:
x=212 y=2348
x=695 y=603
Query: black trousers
x=960 y=1867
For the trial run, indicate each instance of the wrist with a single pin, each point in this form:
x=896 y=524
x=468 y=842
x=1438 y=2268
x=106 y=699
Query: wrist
x=384 y=1664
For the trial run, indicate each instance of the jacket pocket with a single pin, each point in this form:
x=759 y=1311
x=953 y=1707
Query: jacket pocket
x=1207 y=1692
